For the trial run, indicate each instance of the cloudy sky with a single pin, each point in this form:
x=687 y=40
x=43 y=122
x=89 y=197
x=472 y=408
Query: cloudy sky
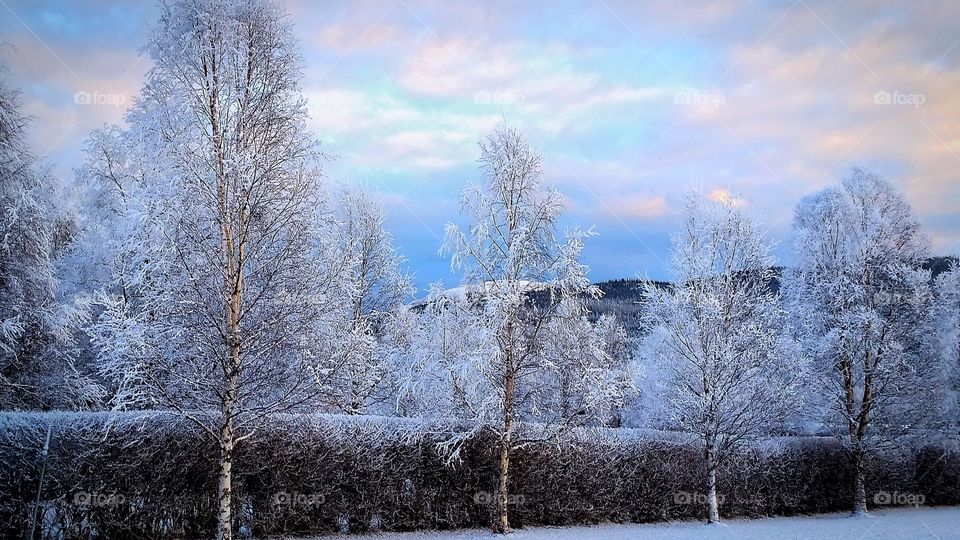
x=631 y=103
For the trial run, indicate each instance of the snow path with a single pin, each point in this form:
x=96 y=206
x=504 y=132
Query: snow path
x=896 y=524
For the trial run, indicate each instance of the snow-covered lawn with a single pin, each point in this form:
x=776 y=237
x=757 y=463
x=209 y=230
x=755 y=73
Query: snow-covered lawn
x=896 y=524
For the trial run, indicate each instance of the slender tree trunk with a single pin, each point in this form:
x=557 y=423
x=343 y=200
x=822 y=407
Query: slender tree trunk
x=857 y=422
x=858 y=435
x=502 y=525
x=225 y=483
x=225 y=489
x=227 y=430
x=859 y=483
x=713 y=511
x=233 y=288
x=234 y=252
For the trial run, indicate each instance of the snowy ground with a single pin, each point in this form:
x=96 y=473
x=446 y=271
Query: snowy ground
x=920 y=523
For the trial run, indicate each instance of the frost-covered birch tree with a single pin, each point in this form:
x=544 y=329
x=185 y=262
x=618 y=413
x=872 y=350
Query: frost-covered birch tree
x=519 y=279
x=219 y=299
x=374 y=288
x=860 y=301
x=716 y=338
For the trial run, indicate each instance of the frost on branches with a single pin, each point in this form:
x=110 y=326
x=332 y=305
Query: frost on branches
x=496 y=358
x=219 y=287
x=373 y=289
x=716 y=349
x=861 y=302
x=37 y=368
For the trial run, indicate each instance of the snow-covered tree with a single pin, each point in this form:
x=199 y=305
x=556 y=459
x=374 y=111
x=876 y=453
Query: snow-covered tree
x=25 y=269
x=946 y=318
x=716 y=337
x=518 y=281
x=221 y=274
x=36 y=362
x=586 y=357
x=443 y=338
x=375 y=289
x=618 y=349
x=860 y=301
x=583 y=375
x=113 y=264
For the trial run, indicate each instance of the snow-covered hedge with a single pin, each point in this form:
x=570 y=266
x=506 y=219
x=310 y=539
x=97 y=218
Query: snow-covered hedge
x=152 y=475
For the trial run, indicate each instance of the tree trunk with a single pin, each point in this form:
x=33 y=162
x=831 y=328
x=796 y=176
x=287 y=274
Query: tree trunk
x=858 y=433
x=233 y=255
x=502 y=525
x=227 y=441
x=713 y=511
x=859 y=483
x=857 y=422
x=224 y=488
x=231 y=375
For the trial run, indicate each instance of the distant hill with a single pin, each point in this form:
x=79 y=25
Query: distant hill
x=624 y=297
x=939 y=265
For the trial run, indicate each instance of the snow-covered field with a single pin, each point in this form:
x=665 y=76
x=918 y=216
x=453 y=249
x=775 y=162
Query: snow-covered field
x=896 y=524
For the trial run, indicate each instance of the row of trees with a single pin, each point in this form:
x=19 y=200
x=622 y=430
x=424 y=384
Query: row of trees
x=859 y=339
x=210 y=270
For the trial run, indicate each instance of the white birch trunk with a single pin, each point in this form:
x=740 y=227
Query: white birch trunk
x=713 y=511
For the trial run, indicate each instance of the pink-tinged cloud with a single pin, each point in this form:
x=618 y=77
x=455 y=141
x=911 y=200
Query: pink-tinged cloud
x=638 y=207
x=724 y=196
x=631 y=103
